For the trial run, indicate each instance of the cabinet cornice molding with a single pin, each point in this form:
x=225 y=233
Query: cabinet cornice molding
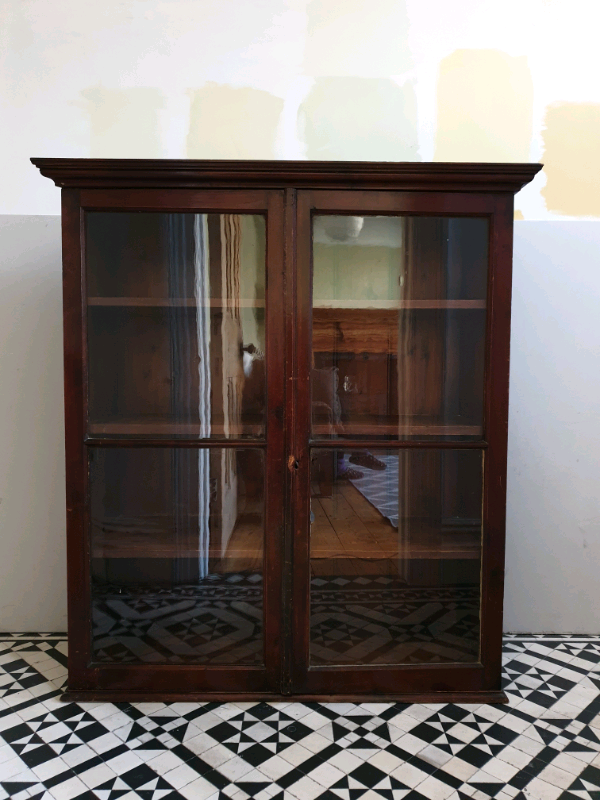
x=399 y=176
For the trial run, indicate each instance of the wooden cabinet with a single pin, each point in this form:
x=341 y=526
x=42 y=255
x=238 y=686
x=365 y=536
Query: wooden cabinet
x=286 y=391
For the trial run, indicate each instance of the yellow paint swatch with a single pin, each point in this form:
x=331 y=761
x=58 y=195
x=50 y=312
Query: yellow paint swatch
x=124 y=123
x=354 y=119
x=484 y=107
x=232 y=123
x=572 y=159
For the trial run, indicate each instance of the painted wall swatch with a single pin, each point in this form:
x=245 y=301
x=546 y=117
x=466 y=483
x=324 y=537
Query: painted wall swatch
x=368 y=119
x=228 y=122
x=484 y=107
x=572 y=159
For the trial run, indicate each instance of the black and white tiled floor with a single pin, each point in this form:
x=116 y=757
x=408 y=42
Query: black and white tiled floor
x=544 y=745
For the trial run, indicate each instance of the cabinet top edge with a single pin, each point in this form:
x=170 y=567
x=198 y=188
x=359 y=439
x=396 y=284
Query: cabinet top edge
x=173 y=173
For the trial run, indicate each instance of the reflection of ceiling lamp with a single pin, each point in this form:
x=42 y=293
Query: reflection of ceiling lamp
x=342 y=229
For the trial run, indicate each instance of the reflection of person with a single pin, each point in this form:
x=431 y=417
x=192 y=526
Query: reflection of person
x=327 y=411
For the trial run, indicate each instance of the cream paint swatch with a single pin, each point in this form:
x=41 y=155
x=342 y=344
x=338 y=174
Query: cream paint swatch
x=484 y=107
x=357 y=38
x=572 y=159
x=124 y=123
x=232 y=123
x=354 y=119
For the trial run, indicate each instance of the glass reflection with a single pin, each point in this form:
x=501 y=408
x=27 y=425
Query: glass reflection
x=399 y=318
x=395 y=556
x=176 y=330
x=176 y=539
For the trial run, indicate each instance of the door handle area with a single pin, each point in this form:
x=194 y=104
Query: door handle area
x=293 y=464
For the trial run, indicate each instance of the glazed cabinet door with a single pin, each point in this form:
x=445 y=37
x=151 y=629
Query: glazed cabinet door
x=397 y=547
x=175 y=447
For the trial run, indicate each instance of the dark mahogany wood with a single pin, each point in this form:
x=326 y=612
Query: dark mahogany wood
x=289 y=193
x=75 y=452
x=232 y=697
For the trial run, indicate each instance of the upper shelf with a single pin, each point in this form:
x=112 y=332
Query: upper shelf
x=167 y=302
x=167 y=173
x=396 y=305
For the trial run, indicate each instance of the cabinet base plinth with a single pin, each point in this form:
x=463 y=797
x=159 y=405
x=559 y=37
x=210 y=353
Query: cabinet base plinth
x=108 y=696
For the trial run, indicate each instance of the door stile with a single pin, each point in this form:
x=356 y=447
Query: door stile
x=302 y=422
x=275 y=438
x=288 y=470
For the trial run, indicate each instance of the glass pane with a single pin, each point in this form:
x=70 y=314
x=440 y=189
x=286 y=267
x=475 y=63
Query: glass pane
x=176 y=324
x=399 y=318
x=176 y=540
x=395 y=556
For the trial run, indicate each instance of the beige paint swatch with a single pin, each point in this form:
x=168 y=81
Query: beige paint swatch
x=357 y=38
x=572 y=159
x=232 y=123
x=124 y=123
x=355 y=119
x=484 y=107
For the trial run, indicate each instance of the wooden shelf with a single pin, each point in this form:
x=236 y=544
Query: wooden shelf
x=154 y=427
x=396 y=305
x=418 y=426
x=159 y=539
x=348 y=544
x=169 y=302
x=371 y=330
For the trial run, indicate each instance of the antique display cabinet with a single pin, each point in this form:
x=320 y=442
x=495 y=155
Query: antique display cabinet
x=286 y=391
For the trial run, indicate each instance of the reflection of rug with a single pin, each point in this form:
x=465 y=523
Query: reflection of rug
x=380 y=488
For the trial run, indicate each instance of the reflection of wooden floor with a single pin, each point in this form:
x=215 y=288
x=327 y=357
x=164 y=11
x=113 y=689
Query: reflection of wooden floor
x=348 y=537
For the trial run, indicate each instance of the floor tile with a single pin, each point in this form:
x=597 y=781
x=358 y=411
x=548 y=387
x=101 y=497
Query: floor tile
x=544 y=744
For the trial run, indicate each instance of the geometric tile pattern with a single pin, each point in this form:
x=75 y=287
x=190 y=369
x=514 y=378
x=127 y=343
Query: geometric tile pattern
x=381 y=620
x=354 y=619
x=543 y=745
x=218 y=620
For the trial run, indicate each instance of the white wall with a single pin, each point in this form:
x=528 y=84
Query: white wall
x=32 y=474
x=553 y=486
x=341 y=79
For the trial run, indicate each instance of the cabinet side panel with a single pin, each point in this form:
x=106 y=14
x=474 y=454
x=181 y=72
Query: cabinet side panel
x=496 y=433
x=75 y=411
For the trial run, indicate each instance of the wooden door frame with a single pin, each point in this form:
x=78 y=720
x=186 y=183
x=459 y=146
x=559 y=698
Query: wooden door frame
x=92 y=680
x=457 y=681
